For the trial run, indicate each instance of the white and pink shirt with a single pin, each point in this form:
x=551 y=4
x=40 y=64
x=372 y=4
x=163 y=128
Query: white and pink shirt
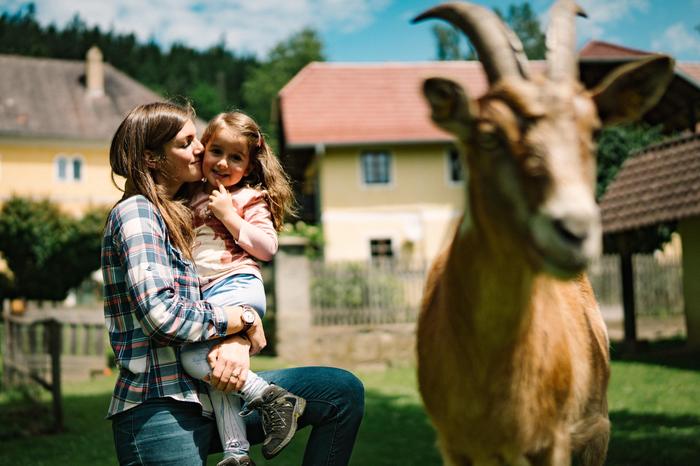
x=216 y=254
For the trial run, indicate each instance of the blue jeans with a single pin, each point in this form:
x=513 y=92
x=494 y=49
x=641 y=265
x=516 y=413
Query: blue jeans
x=169 y=432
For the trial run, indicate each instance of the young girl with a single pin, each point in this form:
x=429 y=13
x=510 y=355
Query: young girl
x=238 y=210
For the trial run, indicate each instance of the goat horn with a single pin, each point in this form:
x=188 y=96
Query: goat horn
x=561 y=40
x=499 y=49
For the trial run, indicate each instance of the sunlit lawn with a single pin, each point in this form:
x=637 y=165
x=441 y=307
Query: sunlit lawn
x=654 y=403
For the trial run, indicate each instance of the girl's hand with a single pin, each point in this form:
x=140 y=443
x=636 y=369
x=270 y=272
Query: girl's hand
x=230 y=362
x=220 y=203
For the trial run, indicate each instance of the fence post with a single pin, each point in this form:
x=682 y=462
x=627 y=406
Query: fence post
x=293 y=300
x=55 y=347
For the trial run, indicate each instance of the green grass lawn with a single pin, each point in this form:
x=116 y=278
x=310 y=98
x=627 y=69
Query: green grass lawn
x=654 y=408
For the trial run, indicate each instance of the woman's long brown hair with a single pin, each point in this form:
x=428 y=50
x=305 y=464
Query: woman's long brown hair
x=138 y=142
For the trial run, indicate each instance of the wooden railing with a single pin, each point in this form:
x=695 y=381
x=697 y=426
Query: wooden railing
x=46 y=346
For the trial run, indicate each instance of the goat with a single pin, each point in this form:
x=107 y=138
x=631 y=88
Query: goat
x=513 y=361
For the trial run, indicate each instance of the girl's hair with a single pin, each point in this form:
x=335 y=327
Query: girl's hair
x=266 y=172
x=138 y=143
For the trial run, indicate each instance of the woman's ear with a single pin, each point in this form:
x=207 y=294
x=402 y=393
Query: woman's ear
x=151 y=159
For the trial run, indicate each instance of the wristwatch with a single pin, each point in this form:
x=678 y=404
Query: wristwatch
x=247 y=317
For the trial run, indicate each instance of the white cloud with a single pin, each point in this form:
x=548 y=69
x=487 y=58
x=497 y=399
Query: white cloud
x=677 y=40
x=601 y=13
x=251 y=26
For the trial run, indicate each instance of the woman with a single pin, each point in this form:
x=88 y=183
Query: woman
x=159 y=414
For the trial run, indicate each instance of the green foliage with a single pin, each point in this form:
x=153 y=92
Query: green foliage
x=351 y=286
x=285 y=60
x=47 y=251
x=522 y=20
x=525 y=24
x=312 y=233
x=449 y=41
x=616 y=143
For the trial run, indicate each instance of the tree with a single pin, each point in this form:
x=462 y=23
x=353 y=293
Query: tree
x=48 y=252
x=284 y=61
x=521 y=19
x=448 y=41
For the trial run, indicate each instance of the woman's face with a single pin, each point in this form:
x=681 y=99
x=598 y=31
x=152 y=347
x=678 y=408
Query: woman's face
x=183 y=156
x=226 y=159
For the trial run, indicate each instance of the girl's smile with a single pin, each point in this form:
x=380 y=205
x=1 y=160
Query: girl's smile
x=226 y=160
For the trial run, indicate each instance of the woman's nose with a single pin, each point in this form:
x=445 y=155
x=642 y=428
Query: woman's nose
x=198 y=147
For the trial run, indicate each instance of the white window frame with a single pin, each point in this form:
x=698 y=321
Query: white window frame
x=390 y=169
x=69 y=175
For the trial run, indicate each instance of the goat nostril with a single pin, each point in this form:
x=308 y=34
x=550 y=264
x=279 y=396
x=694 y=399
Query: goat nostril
x=570 y=233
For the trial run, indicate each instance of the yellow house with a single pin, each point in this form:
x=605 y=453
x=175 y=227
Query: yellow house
x=374 y=171
x=371 y=168
x=57 y=118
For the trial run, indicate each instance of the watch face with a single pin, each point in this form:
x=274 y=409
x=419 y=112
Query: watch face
x=248 y=316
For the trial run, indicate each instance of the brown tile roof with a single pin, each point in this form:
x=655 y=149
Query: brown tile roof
x=343 y=103
x=658 y=184
x=41 y=97
x=597 y=49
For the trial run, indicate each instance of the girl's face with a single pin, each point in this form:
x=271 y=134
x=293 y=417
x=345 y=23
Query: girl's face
x=226 y=158
x=183 y=155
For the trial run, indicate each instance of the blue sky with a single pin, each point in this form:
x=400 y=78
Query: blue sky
x=361 y=30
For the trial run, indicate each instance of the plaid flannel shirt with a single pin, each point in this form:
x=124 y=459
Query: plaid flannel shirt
x=152 y=305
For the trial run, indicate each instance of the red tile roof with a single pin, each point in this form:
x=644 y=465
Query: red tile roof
x=351 y=103
x=334 y=103
x=659 y=184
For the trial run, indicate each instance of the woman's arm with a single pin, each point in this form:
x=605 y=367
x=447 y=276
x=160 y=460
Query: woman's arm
x=150 y=268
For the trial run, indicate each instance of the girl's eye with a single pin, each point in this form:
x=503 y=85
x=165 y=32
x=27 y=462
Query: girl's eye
x=187 y=143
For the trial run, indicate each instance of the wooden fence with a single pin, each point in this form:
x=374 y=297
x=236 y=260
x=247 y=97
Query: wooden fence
x=361 y=293
x=27 y=342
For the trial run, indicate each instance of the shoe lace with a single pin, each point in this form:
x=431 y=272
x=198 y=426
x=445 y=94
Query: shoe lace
x=272 y=417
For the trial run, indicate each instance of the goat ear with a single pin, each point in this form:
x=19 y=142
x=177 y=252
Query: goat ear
x=629 y=91
x=450 y=106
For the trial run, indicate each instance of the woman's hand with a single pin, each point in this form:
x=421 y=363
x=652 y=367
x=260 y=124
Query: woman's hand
x=230 y=362
x=221 y=203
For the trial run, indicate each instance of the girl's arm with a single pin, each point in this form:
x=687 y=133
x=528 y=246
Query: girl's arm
x=254 y=232
x=149 y=265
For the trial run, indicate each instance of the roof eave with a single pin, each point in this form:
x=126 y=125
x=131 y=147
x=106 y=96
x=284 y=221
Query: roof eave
x=378 y=142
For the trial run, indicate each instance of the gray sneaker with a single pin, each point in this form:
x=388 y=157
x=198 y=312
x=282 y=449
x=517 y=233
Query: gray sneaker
x=243 y=460
x=280 y=411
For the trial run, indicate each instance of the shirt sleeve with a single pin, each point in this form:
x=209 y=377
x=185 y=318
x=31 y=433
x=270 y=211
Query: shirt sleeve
x=257 y=235
x=166 y=316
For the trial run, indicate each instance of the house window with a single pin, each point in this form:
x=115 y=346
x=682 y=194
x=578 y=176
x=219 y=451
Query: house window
x=381 y=248
x=454 y=166
x=376 y=167
x=69 y=168
x=62 y=168
x=77 y=169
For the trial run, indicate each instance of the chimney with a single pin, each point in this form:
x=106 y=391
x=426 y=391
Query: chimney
x=94 y=73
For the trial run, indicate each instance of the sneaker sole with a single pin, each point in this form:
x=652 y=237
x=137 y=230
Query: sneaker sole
x=298 y=411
